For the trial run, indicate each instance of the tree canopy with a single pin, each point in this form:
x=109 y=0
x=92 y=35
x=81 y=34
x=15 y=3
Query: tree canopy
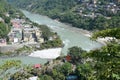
x=106 y=62
x=108 y=33
x=3 y=30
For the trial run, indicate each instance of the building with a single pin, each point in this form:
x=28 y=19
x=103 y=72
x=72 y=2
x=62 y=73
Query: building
x=32 y=35
x=1 y=19
x=72 y=77
x=15 y=35
x=28 y=37
x=17 y=23
x=95 y=1
x=33 y=78
x=3 y=42
x=37 y=66
x=24 y=32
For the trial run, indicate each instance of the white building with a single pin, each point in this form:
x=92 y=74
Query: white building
x=33 y=78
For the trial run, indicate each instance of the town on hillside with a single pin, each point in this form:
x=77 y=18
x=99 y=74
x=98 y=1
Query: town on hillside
x=93 y=8
x=23 y=33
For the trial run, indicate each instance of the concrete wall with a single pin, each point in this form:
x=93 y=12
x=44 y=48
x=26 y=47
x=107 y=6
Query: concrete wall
x=9 y=48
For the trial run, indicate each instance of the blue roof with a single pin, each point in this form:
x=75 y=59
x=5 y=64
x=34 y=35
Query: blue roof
x=72 y=77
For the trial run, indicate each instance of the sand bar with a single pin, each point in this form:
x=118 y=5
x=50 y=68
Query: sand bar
x=47 y=53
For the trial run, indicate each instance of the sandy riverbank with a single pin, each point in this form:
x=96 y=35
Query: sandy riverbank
x=102 y=41
x=47 y=53
x=105 y=40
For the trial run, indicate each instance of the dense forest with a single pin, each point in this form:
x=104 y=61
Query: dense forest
x=69 y=11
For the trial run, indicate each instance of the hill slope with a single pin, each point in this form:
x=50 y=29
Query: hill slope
x=80 y=13
x=4 y=20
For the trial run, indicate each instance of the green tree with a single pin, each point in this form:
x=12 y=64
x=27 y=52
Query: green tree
x=8 y=65
x=46 y=77
x=84 y=71
x=115 y=32
x=76 y=54
x=106 y=62
x=57 y=75
x=66 y=68
x=3 y=30
x=46 y=33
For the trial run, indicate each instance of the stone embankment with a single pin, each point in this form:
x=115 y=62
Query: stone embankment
x=10 y=48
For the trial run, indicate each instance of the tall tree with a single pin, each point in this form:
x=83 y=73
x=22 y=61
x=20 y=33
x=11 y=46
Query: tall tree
x=76 y=54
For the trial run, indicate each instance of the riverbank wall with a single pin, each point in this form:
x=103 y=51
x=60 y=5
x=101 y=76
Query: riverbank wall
x=9 y=48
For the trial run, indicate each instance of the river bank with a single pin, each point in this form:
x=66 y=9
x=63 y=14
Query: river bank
x=51 y=53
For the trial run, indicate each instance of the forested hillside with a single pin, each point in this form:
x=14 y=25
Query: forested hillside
x=4 y=19
x=3 y=6
x=46 y=5
x=84 y=14
x=6 y=13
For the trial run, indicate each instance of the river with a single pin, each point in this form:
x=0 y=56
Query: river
x=69 y=35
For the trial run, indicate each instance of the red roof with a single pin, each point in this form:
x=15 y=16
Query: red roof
x=37 y=66
x=68 y=57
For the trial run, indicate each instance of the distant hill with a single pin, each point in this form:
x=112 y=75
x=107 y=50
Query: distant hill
x=46 y=5
x=85 y=14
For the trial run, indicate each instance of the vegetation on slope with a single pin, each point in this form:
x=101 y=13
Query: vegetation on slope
x=108 y=32
x=65 y=11
x=4 y=29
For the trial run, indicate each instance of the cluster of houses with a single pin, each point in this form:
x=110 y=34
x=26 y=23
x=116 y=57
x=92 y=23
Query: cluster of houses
x=23 y=31
x=94 y=5
x=112 y=7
